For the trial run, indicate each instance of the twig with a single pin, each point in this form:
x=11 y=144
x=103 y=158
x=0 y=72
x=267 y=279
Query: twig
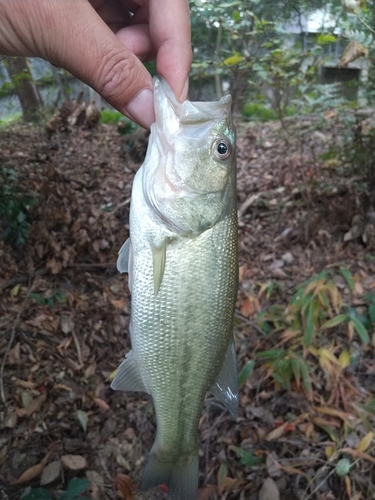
x=8 y=347
x=78 y=348
x=367 y=26
x=319 y=485
x=25 y=278
x=93 y=265
x=122 y=204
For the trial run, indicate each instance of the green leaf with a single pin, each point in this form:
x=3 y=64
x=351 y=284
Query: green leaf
x=324 y=300
x=334 y=321
x=75 y=488
x=325 y=39
x=361 y=330
x=343 y=467
x=222 y=475
x=305 y=376
x=310 y=326
x=245 y=372
x=236 y=16
x=348 y=277
x=37 y=494
x=232 y=60
x=271 y=353
x=246 y=458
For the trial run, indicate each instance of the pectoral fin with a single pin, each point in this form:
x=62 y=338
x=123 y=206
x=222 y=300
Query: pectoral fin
x=128 y=376
x=158 y=256
x=123 y=257
x=226 y=386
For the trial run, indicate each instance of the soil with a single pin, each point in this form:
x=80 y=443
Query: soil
x=64 y=316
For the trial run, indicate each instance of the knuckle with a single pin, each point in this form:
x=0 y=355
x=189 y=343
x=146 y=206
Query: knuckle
x=115 y=75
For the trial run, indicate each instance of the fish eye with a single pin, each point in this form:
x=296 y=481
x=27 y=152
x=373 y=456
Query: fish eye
x=222 y=149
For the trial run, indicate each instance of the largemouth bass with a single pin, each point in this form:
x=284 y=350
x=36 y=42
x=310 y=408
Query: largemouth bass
x=182 y=263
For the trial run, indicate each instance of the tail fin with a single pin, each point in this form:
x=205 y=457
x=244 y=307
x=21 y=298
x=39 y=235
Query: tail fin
x=181 y=476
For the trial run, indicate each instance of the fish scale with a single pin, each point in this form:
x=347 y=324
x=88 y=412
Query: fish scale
x=182 y=264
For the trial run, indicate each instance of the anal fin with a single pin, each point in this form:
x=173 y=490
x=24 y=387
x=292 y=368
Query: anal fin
x=128 y=377
x=226 y=386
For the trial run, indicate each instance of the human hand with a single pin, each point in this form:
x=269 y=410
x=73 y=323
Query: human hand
x=102 y=42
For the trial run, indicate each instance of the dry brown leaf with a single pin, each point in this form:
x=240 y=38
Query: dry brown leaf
x=66 y=324
x=207 y=493
x=277 y=433
x=125 y=486
x=352 y=51
x=365 y=442
x=36 y=404
x=269 y=490
x=50 y=473
x=119 y=304
x=358 y=454
x=10 y=420
x=14 y=355
x=54 y=266
x=33 y=471
x=26 y=384
x=102 y=404
x=74 y=462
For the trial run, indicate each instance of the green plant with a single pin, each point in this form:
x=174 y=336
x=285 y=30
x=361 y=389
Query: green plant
x=259 y=112
x=14 y=209
x=110 y=116
x=55 y=297
x=10 y=119
x=315 y=308
x=76 y=488
x=124 y=125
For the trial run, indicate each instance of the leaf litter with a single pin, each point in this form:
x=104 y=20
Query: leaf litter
x=68 y=309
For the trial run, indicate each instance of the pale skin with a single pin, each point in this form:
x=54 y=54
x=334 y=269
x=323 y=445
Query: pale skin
x=103 y=43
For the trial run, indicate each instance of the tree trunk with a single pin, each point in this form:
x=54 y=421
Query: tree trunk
x=238 y=89
x=19 y=72
x=218 y=87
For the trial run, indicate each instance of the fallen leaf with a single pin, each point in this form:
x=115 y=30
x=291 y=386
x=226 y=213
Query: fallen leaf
x=250 y=306
x=33 y=471
x=102 y=404
x=269 y=490
x=35 y=404
x=83 y=419
x=277 y=433
x=124 y=485
x=119 y=304
x=54 y=266
x=10 y=420
x=50 y=473
x=66 y=324
x=366 y=441
x=14 y=355
x=74 y=462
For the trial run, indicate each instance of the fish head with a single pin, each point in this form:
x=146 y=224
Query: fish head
x=189 y=173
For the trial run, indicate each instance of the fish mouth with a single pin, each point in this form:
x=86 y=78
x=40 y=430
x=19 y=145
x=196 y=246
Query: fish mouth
x=168 y=109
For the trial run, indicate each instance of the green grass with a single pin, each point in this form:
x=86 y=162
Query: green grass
x=10 y=120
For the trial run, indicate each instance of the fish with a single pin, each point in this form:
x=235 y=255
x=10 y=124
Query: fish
x=181 y=257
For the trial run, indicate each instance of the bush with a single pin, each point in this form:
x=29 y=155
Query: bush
x=259 y=112
x=113 y=117
x=14 y=209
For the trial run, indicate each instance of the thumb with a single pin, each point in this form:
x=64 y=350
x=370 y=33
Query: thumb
x=84 y=45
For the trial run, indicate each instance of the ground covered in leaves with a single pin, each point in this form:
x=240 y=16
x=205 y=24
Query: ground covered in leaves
x=306 y=358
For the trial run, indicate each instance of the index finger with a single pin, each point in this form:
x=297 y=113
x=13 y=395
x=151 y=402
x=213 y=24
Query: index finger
x=169 y=22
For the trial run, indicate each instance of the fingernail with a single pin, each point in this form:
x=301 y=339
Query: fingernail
x=141 y=108
x=185 y=91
